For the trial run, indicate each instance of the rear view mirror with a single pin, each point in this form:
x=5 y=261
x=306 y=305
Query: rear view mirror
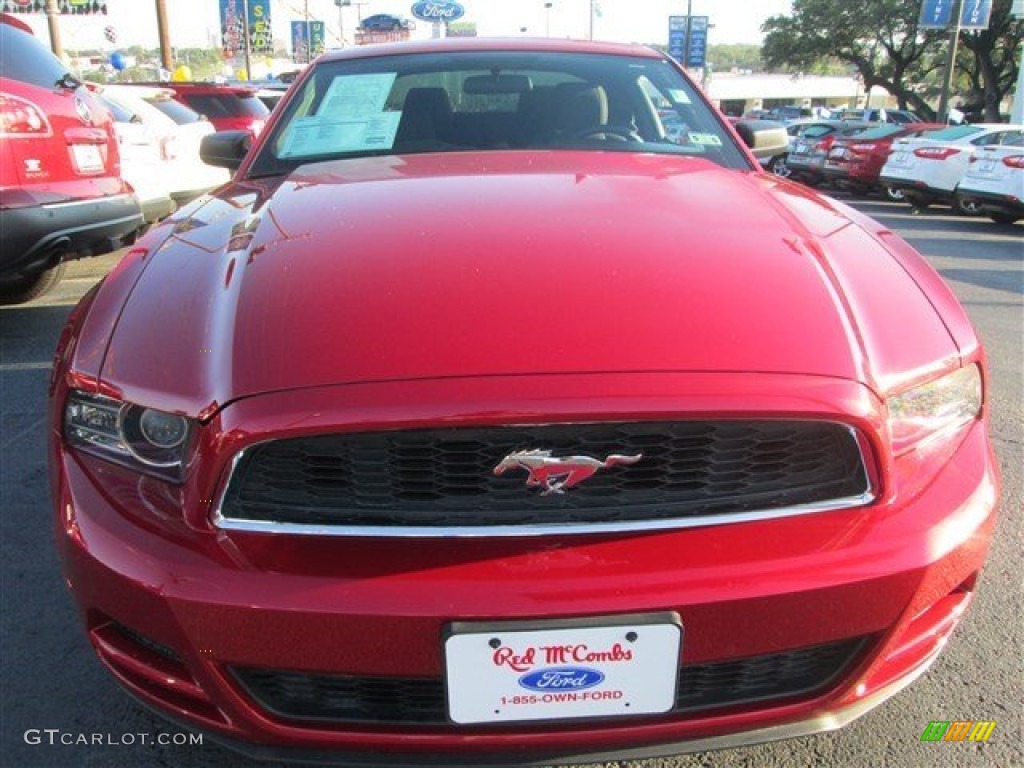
x=496 y=84
x=765 y=138
x=225 y=149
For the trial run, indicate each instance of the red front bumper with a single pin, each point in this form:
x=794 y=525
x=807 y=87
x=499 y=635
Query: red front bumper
x=173 y=605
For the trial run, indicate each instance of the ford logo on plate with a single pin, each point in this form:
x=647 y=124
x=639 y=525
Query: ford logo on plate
x=438 y=10
x=561 y=679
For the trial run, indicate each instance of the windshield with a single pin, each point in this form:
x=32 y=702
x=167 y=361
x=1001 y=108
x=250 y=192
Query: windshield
x=227 y=104
x=471 y=101
x=175 y=110
x=881 y=132
x=954 y=132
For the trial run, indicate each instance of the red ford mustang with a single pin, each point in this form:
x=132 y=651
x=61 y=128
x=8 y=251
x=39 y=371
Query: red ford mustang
x=481 y=419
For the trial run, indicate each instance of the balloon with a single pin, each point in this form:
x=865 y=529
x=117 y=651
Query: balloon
x=117 y=61
x=182 y=74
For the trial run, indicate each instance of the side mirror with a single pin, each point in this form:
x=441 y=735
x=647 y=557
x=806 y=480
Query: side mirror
x=765 y=138
x=225 y=149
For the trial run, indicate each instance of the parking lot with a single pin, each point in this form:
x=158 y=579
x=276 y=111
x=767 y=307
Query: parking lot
x=51 y=679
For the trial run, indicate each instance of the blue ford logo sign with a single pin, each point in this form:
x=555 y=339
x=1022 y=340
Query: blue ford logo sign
x=438 y=10
x=561 y=679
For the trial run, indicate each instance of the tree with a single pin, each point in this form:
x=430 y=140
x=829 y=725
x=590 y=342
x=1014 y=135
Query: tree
x=879 y=39
x=735 y=56
x=993 y=59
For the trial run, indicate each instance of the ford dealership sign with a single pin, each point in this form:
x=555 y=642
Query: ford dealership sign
x=438 y=10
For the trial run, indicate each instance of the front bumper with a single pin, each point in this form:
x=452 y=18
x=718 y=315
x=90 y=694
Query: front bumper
x=173 y=605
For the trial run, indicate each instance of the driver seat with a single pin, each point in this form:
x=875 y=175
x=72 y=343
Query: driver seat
x=580 y=107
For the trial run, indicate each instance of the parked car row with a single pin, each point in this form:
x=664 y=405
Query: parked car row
x=855 y=162
x=930 y=168
x=86 y=167
x=978 y=169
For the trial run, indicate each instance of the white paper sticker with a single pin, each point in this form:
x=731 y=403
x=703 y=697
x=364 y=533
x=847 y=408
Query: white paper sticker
x=705 y=139
x=354 y=96
x=310 y=136
x=351 y=118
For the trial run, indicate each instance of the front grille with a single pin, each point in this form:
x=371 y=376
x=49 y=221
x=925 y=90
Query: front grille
x=445 y=478
x=421 y=701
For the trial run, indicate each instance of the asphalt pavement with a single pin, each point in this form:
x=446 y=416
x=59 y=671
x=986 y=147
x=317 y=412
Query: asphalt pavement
x=54 y=690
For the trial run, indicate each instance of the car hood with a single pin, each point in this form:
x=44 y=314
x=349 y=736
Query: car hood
x=513 y=263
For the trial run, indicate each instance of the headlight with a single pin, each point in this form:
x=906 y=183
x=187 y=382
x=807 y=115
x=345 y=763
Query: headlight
x=146 y=439
x=934 y=408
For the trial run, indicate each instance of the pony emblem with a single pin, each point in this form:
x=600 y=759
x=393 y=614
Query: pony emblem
x=556 y=475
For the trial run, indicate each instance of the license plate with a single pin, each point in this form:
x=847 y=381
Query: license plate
x=899 y=158
x=838 y=154
x=985 y=166
x=87 y=157
x=608 y=667
x=800 y=147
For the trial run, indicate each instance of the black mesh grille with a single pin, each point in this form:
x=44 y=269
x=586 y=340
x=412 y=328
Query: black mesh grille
x=446 y=477
x=418 y=701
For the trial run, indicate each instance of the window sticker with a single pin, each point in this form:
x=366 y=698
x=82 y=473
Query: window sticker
x=357 y=95
x=351 y=118
x=319 y=136
x=679 y=96
x=705 y=139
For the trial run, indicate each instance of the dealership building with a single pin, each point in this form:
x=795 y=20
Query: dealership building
x=737 y=94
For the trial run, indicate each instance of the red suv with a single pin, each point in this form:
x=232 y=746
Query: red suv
x=61 y=192
x=228 y=107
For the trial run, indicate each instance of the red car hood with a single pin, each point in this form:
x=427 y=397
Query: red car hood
x=464 y=265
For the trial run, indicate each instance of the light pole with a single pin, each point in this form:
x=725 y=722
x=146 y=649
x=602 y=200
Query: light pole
x=1017 y=113
x=342 y=4
x=245 y=38
x=686 y=42
x=163 y=32
x=547 y=19
x=53 y=24
x=947 y=83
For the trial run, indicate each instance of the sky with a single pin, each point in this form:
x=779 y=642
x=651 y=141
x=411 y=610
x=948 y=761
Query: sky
x=196 y=23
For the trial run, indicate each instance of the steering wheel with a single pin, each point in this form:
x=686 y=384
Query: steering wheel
x=618 y=132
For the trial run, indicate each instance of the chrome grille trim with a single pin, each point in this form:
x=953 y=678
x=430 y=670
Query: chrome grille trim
x=222 y=522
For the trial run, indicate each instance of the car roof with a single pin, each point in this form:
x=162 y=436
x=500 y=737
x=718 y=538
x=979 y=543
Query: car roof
x=142 y=91
x=899 y=128
x=203 y=87
x=15 y=22
x=482 y=44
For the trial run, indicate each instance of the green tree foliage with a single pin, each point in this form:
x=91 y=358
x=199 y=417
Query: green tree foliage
x=881 y=41
x=993 y=59
x=877 y=38
x=724 y=58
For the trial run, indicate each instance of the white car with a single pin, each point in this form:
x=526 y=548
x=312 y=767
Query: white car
x=143 y=164
x=929 y=169
x=994 y=184
x=180 y=131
